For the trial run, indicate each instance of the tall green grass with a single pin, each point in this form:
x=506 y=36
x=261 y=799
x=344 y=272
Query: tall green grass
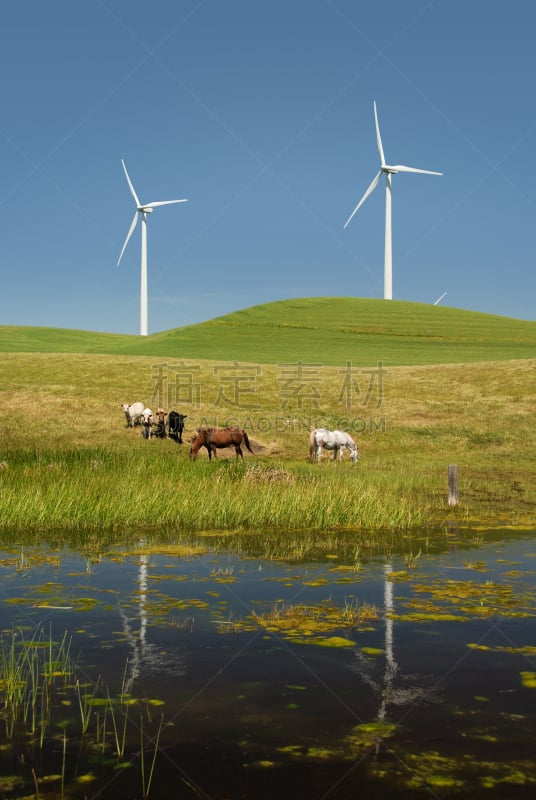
x=122 y=490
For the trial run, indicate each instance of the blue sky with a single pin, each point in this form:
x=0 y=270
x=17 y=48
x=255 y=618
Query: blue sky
x=261 y=114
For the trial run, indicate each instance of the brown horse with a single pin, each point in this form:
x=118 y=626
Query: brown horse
x=213 y=438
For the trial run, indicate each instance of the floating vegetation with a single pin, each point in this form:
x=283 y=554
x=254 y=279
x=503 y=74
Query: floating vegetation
x=369 y=733
x=317 y=582
x=524 y=650
x=428 y=615
x=528 y=679
x=480 y=599
x=399 y=575
x=434 y=770
x=361 y=738
x=325 y=641
x=311 y=624
x=477 y=566
x=430 y=771
x=372 y=651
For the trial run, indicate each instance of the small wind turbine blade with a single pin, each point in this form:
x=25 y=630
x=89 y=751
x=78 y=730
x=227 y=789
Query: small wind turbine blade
x=164 y=203
x=378 y=137
x=439 y=299
x=129 y=234
x=369 y=191
x=401 y=168
x=134 y=195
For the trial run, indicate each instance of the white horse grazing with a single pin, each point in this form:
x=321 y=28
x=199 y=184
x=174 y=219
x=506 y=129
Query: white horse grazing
x=321 y=438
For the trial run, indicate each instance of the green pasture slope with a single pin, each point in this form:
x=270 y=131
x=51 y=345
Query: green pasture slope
x=322 y=330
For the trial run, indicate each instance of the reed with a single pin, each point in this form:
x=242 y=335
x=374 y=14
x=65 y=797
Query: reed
x=63 y=763
x=119 y=714
x=30 y=717
x=85 y=702
x=152 y=492
x=28 y=671
x=147 y=779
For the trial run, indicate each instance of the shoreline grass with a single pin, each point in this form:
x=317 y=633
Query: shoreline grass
x=83 y=491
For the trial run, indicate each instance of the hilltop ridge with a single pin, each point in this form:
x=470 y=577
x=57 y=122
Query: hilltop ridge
x=327 y=330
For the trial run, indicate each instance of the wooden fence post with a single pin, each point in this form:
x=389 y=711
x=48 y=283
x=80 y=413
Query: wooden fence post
x=453 y=484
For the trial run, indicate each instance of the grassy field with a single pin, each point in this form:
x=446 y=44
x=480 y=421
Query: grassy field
x=328 y=331
x=68 y=462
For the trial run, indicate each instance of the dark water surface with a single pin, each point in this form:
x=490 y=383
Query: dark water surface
x=231 y=667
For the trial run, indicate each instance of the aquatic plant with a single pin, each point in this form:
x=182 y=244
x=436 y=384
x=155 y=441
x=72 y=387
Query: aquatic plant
x=29 y=669
x=120 y=708
x=316 y=624
x=147 y=779
x=34 y=673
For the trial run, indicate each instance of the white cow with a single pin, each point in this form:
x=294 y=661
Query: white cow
x=133 y=413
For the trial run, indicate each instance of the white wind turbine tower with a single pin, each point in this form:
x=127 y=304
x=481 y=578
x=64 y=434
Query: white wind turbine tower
x=142 y=210
x=386 y=170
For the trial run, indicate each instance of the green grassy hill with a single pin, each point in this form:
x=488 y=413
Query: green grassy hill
x=322 y=330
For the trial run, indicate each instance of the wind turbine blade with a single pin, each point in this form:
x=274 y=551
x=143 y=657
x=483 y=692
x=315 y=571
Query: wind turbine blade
x=378 y=137
x=401 y=168
x=369 y=191
x=164 y=203
x=129 y=234
x=134 y=195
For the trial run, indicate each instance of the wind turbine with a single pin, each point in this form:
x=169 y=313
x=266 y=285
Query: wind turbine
x=387 y=170
x=142 y=210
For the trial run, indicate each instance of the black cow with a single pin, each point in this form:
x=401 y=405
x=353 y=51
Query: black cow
x=159 y=429
x=176 y=425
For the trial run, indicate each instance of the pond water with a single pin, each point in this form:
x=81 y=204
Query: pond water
x=307 y=666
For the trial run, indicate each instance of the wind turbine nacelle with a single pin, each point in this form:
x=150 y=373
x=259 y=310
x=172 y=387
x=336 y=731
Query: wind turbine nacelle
x=146 y=210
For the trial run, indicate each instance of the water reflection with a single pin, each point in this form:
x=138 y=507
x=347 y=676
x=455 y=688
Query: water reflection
x=305 y=699
x=409 y=688
x=390 y=663
x=137 y=639
x=144 y=658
